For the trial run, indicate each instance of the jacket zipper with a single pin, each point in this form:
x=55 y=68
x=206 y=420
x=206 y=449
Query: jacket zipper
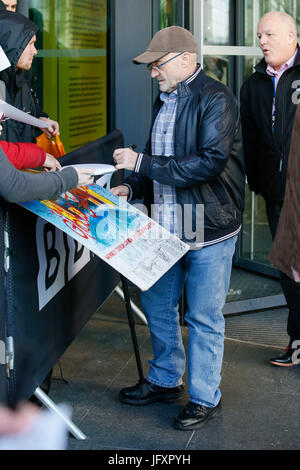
x=281 y=154
x=282 y=130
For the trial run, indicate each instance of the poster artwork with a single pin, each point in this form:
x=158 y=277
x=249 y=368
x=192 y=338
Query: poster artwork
x=121 y=235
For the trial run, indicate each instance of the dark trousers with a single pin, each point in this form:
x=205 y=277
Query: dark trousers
x=291 y=289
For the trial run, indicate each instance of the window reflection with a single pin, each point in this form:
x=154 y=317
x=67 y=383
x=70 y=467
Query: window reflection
x=255 y=9
x=216 y=22
x=250 y=63
x=217 y=68
x=256 y=234
x=168 y=13
x=73 y=86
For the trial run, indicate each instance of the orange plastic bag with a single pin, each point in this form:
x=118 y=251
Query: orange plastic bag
x=53 y=146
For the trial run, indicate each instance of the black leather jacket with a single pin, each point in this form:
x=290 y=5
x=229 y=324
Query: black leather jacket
x=266 y=153
x=207 y=167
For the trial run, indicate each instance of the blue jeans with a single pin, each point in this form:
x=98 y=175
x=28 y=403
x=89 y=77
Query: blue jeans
x=206 y=275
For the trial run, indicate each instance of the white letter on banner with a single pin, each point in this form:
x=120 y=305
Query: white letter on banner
x=52 y=257
x=77 y=262
x=52 y=260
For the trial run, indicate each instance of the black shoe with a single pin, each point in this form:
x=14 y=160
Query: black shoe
x=193 y=416
x=285 y=359
x=145 y=393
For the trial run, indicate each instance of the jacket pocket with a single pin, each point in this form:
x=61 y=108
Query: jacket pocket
x=219 y=212
x=270 y=178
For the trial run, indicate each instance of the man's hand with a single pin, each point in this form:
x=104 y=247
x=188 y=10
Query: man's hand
x=19 y=420
x=51 y=163
x=84 y=176
x=296 y=275
x=52 y=130
x=125 y=158
x=121 y=191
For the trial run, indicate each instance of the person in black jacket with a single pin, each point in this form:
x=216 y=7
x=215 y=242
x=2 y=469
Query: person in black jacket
x=192 y=161
x=269 y=99
x=17 y=38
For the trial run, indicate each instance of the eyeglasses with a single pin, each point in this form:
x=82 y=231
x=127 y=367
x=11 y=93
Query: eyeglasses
x=150 y=67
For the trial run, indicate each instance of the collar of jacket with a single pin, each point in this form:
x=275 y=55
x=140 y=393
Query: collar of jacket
x=261 y=67
x=184 y=88
x=13 y=79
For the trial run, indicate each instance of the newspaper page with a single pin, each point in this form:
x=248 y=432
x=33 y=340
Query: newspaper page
x=10 y=112
x=120 y=234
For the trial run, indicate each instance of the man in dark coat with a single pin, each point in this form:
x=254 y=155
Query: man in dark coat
x=268 y=108
x=17 y=38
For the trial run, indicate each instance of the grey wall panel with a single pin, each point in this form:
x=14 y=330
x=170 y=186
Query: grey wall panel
x=133 y=89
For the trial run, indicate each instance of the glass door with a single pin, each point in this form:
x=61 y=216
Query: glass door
x=71 y=66
x=226 y=34
x=167 y=13
x=255 y=240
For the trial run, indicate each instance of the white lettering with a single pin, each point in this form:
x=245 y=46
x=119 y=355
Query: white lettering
x=170 y=459
x=157 y=459
x=119 y=460
x=186 y=459
x=296 y=94
x=60 y=259
x=296 y=353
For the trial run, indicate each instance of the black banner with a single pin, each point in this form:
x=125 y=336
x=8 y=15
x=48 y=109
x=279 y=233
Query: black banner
x=3 y=395
x=54 y=284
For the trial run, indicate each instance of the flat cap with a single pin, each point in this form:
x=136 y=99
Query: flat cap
x=171 y=39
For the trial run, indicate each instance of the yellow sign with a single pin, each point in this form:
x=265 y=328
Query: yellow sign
x=75 y=68
x=82 y=100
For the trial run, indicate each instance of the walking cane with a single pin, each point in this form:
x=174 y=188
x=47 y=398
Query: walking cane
x=132 y=328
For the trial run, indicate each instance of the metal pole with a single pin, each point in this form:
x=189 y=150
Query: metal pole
x=44 y=398
x=132 y=329
x=135 y=309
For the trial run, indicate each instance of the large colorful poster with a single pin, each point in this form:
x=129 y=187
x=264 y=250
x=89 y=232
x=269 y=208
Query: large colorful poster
x=121 y=235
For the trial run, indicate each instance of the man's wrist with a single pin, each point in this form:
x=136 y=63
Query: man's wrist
x=130 y=191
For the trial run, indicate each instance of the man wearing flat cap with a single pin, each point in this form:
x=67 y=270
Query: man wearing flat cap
x=192 y=160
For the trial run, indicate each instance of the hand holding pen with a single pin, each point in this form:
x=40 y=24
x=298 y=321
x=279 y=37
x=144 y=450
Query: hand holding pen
x=125 y=158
